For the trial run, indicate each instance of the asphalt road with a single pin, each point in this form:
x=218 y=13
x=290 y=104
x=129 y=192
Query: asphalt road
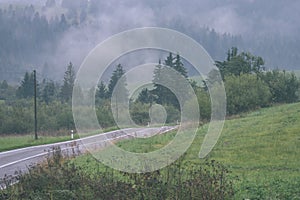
x=20 y=159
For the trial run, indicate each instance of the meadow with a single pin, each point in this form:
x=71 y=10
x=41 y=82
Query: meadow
x=260 y=148
x=10 y=142
x=256 y=157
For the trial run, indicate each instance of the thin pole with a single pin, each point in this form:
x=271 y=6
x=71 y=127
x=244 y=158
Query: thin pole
x=35 y=107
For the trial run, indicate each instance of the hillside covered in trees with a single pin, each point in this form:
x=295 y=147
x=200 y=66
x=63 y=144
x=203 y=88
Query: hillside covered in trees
x=45 y=36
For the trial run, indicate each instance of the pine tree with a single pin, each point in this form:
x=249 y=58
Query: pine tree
x=67 y=87
x=145 y=96
x=170 y=60
x=63 y=24
x=162 y=74
x=101 y=91
x=178 y=66
x=26 y=89
x=49 y=91
x=158 y=90
x=118 y=94
x=117 y=76
x=4 y=85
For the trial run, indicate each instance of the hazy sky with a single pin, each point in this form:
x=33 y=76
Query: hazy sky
x=249 y=18
x=230 y=16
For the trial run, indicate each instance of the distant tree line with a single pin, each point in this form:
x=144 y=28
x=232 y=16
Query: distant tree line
x=24 y=34
x=29 y=38
x=248 y=86
x=54 y=108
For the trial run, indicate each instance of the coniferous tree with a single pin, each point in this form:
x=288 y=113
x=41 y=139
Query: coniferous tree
x=118 y=94
x=145 y=96
x=48 y=92
x=4 y=85
x=68 y=84
x=178 y=66
x=7 y=92
x=162 y=74
x=26 y=89
x=170 y=60
x=63 y=22
x=159 y=90
x=117 y=76
x=101 y=92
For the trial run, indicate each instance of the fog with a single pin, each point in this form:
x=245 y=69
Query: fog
x=250 y=19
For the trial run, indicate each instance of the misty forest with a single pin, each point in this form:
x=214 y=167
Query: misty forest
x=255 y=46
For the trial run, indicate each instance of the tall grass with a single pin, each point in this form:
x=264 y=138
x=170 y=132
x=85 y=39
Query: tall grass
x=60 y=178
x=262 y=148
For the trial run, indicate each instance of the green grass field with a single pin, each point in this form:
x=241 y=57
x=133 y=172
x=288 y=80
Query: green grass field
x=11 y=142
x=262 y=148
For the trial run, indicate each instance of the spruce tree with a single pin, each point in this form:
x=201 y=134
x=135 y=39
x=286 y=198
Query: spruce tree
x=26 y=88
x=101 y=92
x=67 y=87
x=162 y=74
x=118 y=94
x=117 y=76
x=178 y=66
x=145 y=96
x=48 y=92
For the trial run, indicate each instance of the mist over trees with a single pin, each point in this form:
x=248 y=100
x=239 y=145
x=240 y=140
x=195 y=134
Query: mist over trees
x=26 y=35
x=43 y=37
x=248 y=87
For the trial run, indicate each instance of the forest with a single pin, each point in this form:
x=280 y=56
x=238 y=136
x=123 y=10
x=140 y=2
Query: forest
x=31 y=37
x=248 y=87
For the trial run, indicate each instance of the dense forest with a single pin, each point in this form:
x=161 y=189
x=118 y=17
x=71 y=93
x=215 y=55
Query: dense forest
x=31 y=38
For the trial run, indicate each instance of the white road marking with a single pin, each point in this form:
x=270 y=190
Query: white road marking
x=60 y=143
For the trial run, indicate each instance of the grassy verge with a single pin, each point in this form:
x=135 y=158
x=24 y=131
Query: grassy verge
x=262 y=148
x=10 y=142
x=20 y=141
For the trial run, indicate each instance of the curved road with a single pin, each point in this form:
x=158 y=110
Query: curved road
x=20 y=159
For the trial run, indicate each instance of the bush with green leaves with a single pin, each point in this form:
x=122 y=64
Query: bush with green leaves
x=246 y=92
x=60 y=178
x=284 y=86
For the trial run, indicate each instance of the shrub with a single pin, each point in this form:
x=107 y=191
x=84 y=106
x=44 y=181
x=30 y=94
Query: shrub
x=60 y=178
x=246 y=92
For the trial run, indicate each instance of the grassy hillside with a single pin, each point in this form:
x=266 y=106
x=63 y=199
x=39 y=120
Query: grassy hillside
x=262 y=148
